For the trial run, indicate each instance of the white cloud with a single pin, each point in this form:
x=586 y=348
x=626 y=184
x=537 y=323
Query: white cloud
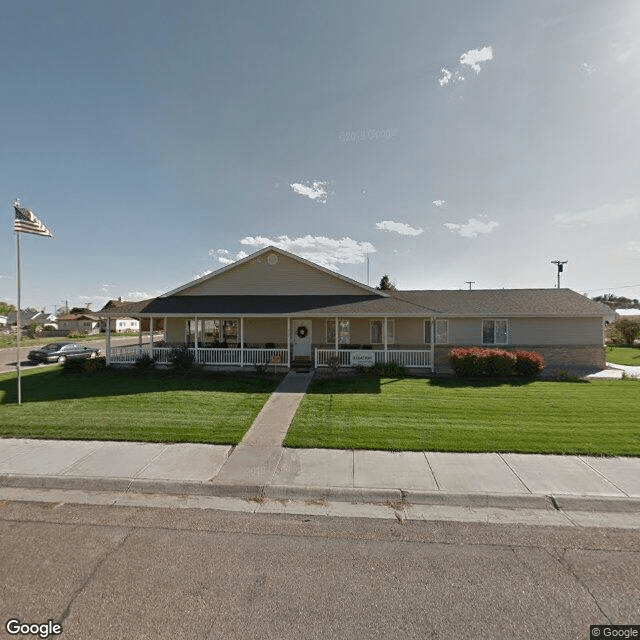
x=473 y=228
x=603 y=214
x=439 y=203
x=203 y=274
x=224 y=257
x=445 y=77
x=633 y=246
x=587 y=69
x=142 y=295
x=317 y=190
x=327 y=252
x=473 y=57
x=398 y=227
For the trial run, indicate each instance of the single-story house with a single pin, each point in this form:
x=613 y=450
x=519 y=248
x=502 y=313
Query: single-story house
x=80 y=323
x=275 y=307
x=121 y=325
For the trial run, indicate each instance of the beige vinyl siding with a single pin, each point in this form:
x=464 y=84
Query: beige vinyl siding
x=286 y=277
x=409 y=331
x=262 y=330
x=555 y=331
x=531 y=331
x=174 y=330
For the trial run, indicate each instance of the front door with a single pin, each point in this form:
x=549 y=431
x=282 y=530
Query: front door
x=301 y=338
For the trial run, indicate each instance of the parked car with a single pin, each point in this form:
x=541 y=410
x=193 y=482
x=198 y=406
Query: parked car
x=61 y=352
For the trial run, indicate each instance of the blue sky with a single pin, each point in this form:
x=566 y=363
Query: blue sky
x=450 y=140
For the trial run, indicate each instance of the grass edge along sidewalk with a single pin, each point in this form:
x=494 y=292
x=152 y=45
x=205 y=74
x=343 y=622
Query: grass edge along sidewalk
x=624 y=355
x=133 y=406
x=579 y=418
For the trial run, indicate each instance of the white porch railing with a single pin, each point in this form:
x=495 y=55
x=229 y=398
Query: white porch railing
x=410 y=358
x=130 y=353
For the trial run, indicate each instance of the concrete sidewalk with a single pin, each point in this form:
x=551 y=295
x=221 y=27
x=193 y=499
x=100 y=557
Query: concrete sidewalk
x=485 y=479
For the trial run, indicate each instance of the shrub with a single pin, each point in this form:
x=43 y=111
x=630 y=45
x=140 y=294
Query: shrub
x=85 y=366
x=182 y=358
x=145 y=362
x=528 y=363
x=498 y=363
x=467 y=362
x=386 y=370
x=473 y=362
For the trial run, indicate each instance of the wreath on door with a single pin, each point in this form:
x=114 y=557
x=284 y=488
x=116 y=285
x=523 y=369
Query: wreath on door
x=302 y=331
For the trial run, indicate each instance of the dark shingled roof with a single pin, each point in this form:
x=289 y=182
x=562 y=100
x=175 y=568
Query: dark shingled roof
x=507 y=302
x=491 y=302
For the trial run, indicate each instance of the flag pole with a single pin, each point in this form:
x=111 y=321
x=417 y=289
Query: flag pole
x=19 y=324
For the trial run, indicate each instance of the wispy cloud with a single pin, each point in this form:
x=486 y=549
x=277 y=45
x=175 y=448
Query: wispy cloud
x=603 y=214
x=327 y=252
x=398 y=227
x=439 y=203
x=586 y=69
x=472 y=59
x=142 y=295
x=316 y=191
x=225 y=257
x=633 y=246
x=473 y=228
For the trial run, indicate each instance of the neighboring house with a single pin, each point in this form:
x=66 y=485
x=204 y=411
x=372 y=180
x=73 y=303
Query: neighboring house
x=121 y=325
x=274 y=307
x=29 y=317
x=79 y=323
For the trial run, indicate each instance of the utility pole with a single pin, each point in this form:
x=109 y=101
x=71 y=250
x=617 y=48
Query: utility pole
x=560 y=264
x=470 y=282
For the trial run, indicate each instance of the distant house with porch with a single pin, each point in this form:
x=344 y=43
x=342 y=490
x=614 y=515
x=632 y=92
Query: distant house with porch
x=275 y=307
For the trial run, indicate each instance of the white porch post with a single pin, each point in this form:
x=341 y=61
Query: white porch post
x=433 y=344
x=140 y=335
x=241 y=341
x=288 y=342
x=107 y=337
x=386 y=353
x=336 y=336
x=197 y=338
x=151 y=336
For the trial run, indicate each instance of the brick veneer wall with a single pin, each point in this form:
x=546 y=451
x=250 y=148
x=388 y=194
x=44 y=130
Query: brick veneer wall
x=571 y=358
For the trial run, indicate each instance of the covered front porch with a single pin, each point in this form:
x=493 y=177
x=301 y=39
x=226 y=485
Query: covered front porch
x=248 y=341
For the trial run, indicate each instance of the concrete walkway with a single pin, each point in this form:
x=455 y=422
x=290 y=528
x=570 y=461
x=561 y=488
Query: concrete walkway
x=259 y=469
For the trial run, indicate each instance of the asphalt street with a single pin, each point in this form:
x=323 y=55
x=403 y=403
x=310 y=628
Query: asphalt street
x=127 y=572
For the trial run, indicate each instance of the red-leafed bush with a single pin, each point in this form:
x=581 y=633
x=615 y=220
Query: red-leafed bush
x=473 y=361
x=528 y=363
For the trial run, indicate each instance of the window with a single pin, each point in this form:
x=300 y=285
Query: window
x=377 y=331
x=344 y=332
x=495 y=331
x=442 y=331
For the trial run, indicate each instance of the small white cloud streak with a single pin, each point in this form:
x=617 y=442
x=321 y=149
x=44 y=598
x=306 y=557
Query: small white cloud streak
x=473 y=228
x=473 y=57
x=317 y=190
x=327 y=252
x=398 y=227
x=445 y=77
x=439 y=203
x=633 y=246
x=224 y=256
x=603 y=214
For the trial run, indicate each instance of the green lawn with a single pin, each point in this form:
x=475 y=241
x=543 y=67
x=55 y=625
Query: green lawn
x=624 y=355
x=127 y=405
x=599 y=417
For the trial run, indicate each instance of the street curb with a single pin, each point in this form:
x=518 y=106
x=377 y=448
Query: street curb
x=337 y=494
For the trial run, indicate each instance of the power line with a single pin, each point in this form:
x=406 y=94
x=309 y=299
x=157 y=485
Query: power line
x=626 y=286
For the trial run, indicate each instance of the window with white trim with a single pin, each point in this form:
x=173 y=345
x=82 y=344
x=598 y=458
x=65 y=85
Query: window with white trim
x=441 y=331
x=344 y=332
x=377 y=331
x=495 y=331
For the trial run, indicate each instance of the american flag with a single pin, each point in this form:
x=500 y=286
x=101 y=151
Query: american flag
x=26 y=222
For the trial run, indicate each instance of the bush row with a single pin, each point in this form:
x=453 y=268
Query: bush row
x=473 y=361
